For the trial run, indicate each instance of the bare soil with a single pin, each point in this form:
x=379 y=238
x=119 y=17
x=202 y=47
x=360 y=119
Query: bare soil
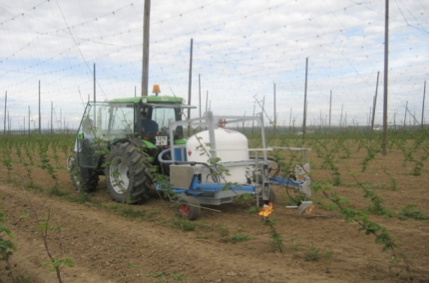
x=107 y=244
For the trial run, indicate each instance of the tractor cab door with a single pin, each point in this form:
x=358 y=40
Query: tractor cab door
x=103 y=123
x=86 y=137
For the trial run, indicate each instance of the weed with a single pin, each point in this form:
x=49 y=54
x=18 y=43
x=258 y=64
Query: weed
x=43 y=226
x=55 y=191
x=132 y=265
x=7 y=247
x=46 y=165
x=413 y=212
x=223 y=231
x=419 y=164
x=361 y=218
x=151 y=216
x=178 y=277
x=7 y=161
x=276 y=238
x=131 y=213
x=184 y=224
x=312 y=254
x=372 y=150
x=22 y=279
x=238 y=238
x=164 y=276
x=376 y=206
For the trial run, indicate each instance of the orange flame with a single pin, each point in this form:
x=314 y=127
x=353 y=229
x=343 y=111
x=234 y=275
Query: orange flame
x=266 y=210
x=310 y=209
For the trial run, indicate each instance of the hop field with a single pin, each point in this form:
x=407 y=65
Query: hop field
x=371 y=220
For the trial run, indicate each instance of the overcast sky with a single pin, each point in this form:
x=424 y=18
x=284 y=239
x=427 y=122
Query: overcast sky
x=240 y=50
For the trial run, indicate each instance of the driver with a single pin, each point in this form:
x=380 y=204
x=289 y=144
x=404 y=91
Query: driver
x=148 y=125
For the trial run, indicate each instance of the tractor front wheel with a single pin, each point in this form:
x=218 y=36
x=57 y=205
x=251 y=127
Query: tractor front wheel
x=189 y=207
x=85 y=179
x=126 y=173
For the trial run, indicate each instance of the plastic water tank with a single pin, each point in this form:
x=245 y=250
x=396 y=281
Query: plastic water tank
x=230 y=146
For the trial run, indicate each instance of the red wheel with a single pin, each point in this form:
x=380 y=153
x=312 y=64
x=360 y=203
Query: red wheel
x=189 y=207
x=184 y=209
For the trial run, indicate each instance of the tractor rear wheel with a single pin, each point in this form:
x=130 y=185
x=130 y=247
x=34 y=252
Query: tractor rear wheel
x=127 y=178
x=88 y=177
x=189 y=207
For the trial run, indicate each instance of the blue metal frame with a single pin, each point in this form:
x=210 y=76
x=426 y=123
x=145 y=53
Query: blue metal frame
x=201 y=190
x=197 y=188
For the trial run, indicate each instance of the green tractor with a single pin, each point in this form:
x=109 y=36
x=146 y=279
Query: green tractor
x=114 y=139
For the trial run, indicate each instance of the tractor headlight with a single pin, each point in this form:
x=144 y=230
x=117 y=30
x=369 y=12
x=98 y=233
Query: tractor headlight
x=144 y=100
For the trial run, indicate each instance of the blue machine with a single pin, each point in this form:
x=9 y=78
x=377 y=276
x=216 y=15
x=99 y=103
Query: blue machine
x=216 y=165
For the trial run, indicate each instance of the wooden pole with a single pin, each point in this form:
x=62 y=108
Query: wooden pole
x=405 y=115
x=190 y=85
x=190 y=79
x=253 y=121
x=40 y=114
x=29 y=125
x=52 y=117
x=330 y=108
x=275 y=110
x=374 y=103
x=386 y=75
x=145 y=60
x=423 y=104
x=94 y=85
x=199 y=93
x=305 y=100
x=207 y=101
x=5 y=110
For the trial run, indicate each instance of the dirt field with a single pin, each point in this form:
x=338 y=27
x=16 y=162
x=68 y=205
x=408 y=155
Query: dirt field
x=111 y=242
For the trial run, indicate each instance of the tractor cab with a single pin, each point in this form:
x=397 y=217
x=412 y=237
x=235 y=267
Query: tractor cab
x=105 y=123
x=113 y=128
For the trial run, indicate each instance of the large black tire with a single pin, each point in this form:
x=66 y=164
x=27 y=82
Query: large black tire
x=189 y=207
x=127 y=178
x=88 y=177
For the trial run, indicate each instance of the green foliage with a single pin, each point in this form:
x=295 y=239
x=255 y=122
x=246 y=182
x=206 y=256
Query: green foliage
x=413 y=212
x=361 y=217
x=46 y=165
x=418 y=166
x=7 y=247
x=184 y=224
x=309 y=253
x=132 y=265
x=237 y=238
x=372 y=149
x=6 y=160
x=165 y=276
x=276 y=238
x=312 y=254
x=129 y=212
x=223 y=231
x=58 y=263
x=376 y=206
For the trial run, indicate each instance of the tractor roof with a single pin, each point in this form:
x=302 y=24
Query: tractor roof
x=149 y=99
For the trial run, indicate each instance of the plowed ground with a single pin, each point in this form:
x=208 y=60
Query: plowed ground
x=148 y=242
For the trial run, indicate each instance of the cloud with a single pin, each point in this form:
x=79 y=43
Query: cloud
x=241 y=49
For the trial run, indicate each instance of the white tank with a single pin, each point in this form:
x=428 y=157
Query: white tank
x=231 y=146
